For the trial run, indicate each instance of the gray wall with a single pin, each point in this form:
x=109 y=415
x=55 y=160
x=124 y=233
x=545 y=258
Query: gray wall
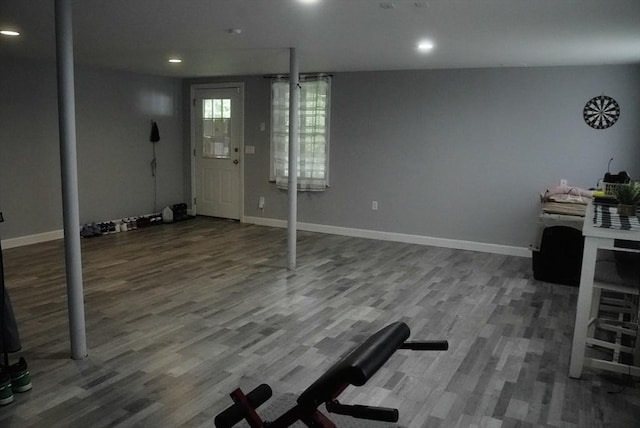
x=113 y=111
x=458 y=154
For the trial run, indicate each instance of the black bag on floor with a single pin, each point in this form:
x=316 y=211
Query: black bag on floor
x=179 y=212
x=559 y=259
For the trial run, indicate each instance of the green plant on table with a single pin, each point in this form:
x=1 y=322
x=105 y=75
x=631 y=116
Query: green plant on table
x=628 y=194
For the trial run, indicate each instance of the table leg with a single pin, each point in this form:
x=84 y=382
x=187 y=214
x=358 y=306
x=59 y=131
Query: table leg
x=583 y=308
x=595 y=309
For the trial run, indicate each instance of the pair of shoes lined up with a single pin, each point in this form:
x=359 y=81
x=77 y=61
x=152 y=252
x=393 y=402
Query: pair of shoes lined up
x=15 y=379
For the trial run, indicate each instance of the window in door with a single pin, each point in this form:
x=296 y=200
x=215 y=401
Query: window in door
x=216 y=130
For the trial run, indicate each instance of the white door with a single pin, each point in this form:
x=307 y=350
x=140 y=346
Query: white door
x=218 y=140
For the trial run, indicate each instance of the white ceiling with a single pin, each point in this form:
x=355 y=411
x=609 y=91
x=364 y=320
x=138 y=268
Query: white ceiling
x=330 y=36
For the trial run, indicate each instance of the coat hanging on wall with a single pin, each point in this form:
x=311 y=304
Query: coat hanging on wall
x=155 y=133
x=154 y=138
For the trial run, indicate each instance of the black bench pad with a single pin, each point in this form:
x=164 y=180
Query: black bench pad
x=357 y=367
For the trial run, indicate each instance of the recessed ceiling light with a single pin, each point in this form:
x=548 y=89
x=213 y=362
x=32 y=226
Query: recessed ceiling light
x=425 y=46
x=175 y=60
x=9 y=33
x=234 y=31
x=308 y=1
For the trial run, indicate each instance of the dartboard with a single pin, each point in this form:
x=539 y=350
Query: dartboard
x=601 y=112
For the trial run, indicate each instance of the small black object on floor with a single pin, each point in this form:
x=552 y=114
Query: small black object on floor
x=179 y=212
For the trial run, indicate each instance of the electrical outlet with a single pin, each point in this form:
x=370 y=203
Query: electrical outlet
x=563 y=182
x=374 y=205
x=261 y=202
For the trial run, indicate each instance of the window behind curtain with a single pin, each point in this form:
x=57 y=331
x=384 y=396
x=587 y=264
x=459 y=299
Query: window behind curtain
x=313 y=161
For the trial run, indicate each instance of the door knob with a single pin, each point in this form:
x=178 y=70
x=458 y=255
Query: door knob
x=235 y=161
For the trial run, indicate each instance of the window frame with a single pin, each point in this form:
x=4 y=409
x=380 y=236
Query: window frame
x=327 y=113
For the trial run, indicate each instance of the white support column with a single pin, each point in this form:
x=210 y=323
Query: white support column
x=293 y=156
x=69 y=171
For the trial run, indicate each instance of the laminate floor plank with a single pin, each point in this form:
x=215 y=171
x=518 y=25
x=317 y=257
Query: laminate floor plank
x=179 y=315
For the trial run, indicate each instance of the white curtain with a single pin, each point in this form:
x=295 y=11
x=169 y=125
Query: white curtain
x=313 y=131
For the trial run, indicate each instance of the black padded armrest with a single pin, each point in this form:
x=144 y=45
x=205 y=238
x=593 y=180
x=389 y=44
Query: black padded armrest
x=357 y=367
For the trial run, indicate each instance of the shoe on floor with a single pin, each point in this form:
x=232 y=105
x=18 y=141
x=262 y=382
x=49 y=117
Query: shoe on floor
x=20 y=377
x=6 y=393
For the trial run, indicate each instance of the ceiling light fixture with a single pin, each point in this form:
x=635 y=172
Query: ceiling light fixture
x=425 y=46
x=175 y=60
x=9 y=33
x=308 y=1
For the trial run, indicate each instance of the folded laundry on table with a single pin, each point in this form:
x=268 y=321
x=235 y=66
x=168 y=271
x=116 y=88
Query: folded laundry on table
x=564 y=208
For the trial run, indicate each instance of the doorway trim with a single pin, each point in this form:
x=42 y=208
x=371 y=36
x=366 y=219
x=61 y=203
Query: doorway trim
x=192 y=150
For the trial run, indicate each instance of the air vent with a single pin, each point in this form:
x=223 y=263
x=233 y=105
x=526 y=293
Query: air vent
x=387 y=5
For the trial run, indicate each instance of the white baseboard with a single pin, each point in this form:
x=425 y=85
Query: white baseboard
x=32 y=239
x=262 y=221
x=483 y=247
x=333 y=230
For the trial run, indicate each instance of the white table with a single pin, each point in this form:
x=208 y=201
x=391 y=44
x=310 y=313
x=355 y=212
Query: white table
x=595 y=238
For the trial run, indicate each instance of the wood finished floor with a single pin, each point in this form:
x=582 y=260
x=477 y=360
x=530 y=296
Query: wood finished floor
x=179 y=315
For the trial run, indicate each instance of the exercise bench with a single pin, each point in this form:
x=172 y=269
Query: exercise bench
x=354 y=369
